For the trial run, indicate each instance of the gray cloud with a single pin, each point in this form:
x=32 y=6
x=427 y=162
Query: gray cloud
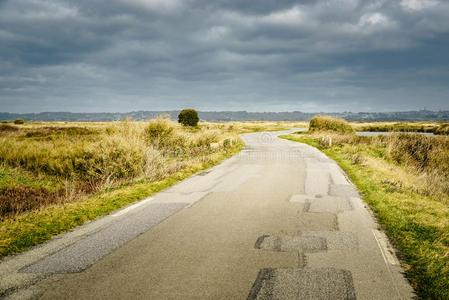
x=121 y=55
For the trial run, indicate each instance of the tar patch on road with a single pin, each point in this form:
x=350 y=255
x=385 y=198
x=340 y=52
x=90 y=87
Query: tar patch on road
x=204 y=173
x=342 y=190
x=291 y=243
x=285 y=284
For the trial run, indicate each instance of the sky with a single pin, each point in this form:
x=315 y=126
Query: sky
x=254 y=55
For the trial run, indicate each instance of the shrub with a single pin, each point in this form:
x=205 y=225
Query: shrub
x=227 y=143
x=204 y=139
x=159 y=132
x=324 y=123
x=19 y=122
x=442 y=129
x=188 y=117
x=427 y=154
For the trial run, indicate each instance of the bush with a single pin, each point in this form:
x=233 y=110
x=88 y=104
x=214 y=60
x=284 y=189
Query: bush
x=19 y=122
x=159 y=132
x=428 y=154
x=323 y=123
x=188 y=117
x=443 y=129
x=204 y=139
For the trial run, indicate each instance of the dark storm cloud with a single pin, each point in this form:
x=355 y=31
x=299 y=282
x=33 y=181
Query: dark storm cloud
x=121 y=55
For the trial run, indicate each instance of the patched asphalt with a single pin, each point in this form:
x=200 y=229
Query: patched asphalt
x=302 y=283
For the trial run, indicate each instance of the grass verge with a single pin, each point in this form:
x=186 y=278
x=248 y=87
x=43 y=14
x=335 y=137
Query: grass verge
x=416 y=223
x=35 y=227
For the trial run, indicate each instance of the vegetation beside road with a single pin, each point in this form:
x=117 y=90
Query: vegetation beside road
x=323 y=123
x=404 y=179
x=421 y=127
x=55 y=176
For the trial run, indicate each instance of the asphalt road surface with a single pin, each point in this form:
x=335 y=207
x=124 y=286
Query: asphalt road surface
x=278 y=221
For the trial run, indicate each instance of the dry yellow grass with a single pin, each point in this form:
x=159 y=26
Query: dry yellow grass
x=429 y=127
x=87 y=157
x=80 y=158
x=329 y=124
x=425 y=158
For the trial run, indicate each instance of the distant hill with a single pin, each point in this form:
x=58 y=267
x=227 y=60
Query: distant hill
x=421 y=115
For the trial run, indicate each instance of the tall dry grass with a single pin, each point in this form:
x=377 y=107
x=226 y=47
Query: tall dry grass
x=89 y=158
x=330 y=124
x=426 y=127
x=443 y=129
x=426 y=157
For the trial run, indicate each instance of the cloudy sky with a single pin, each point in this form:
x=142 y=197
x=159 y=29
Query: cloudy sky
x=255 y=55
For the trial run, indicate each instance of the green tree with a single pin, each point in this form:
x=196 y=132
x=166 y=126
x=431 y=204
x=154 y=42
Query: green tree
x=188 y=117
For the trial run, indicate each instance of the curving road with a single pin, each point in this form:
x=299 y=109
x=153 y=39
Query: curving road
x=278 y=221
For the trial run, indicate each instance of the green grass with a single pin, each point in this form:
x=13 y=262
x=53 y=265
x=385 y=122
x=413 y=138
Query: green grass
x=417 y=224
x=32 y=228
x=12 y=177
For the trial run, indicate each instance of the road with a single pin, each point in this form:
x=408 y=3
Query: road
x=278 y=221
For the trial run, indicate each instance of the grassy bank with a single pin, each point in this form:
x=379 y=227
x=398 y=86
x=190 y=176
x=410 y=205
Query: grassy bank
x=37 y=226
x=404 y=179
x=421 y=127
x=54 y=176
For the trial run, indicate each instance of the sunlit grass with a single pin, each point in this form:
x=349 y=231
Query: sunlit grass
x=32 y=228
x=55 y=176
x=422 y=127
x=329 y=124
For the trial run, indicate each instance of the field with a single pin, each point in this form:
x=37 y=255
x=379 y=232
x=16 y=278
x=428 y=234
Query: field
x=57 y=175
x=422 y=127
x=405 y=180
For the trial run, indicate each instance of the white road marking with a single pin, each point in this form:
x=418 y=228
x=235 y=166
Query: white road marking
x=385 y=248
x=131 y=207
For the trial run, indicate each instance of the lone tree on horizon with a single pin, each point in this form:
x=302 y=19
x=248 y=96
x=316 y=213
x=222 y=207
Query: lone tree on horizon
x=188 y=117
